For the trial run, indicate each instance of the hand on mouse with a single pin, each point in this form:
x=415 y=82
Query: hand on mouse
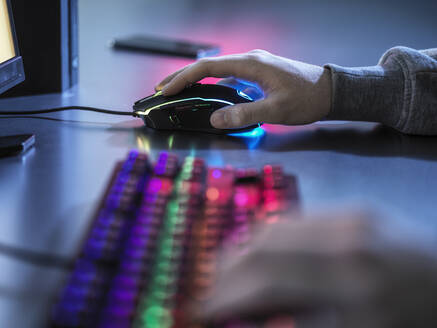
x=295 y=92
x=367 y=273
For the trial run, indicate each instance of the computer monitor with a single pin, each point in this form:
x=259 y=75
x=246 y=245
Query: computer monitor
x=11 y=63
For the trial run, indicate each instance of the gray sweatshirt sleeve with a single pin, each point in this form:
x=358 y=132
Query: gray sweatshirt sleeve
x=401 y=91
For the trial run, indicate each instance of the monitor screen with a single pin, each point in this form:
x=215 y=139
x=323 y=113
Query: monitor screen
x=7 y=49
x=11 y=63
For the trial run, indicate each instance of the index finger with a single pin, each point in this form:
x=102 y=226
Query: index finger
x=170 y=77
x=226 y=66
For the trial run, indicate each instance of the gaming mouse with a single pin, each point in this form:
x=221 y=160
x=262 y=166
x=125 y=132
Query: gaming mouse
x=191 y=109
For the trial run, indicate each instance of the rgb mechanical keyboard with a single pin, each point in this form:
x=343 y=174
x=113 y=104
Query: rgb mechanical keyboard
x=151 y=248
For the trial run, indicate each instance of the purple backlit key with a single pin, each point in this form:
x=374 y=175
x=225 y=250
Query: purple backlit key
x=152 y=248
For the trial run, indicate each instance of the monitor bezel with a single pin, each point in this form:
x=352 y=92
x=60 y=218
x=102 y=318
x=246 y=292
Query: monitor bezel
x=12 y=70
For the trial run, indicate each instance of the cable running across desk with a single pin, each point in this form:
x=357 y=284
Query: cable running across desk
x=31 y=256
x=60 y=109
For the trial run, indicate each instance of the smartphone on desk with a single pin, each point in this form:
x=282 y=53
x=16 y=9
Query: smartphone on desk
x=14 y=145
x=180 y=48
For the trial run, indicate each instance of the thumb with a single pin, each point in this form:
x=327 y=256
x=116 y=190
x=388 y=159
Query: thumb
x=240 y=115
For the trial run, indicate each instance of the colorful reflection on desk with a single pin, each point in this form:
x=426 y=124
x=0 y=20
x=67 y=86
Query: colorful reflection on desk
x=148 y=139
x=251 y=138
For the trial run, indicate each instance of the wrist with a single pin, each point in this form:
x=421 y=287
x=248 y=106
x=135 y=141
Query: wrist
x=324 y=92
x=365 y=94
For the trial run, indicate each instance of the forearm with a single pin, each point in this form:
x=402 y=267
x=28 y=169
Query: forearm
x=401 y=91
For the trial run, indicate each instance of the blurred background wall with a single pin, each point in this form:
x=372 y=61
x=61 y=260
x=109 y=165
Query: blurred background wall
x=346 y=32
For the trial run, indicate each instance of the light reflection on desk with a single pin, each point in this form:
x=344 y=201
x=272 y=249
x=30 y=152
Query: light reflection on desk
x=148 y=139
x=251 y=138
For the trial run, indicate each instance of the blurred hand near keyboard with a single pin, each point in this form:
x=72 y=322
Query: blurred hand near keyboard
x=350 y=264
x=295 y=92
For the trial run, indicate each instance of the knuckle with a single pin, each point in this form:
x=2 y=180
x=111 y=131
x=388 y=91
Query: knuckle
x=255 y=61
x=185 y=80
x=230 y=116
x=241 y=115
x=202 y=61
x=204 y=67
x=258 y=51
x=252 y=58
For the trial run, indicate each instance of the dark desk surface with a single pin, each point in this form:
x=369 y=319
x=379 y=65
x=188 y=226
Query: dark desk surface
x=48 y=194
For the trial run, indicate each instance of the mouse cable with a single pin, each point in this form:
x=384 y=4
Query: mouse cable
x=36 y=258
x=60 y=109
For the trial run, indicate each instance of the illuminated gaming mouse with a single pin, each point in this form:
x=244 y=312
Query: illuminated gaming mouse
x=190 y=109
